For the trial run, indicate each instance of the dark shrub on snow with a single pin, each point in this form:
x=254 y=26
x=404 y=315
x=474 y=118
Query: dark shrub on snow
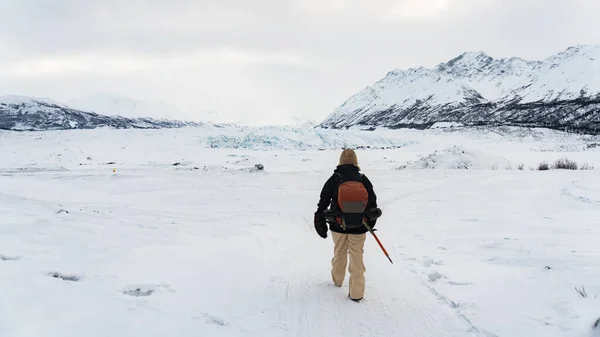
x=565 y=164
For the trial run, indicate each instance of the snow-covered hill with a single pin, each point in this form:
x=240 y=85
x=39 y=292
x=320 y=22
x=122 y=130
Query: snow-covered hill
x=562 y=91
x=35 y=114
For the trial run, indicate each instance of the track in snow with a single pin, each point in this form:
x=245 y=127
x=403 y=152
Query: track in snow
x=159 y=246
x=157 y=250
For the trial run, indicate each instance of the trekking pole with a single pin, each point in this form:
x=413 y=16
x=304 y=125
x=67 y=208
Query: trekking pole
x=379 y=242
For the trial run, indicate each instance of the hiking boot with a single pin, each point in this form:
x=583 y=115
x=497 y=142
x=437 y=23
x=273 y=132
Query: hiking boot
x=355 y=299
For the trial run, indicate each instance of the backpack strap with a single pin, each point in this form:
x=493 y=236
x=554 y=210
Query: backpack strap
x=362 y=176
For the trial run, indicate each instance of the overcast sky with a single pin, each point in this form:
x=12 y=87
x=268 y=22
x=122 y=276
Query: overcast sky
x=263 y=61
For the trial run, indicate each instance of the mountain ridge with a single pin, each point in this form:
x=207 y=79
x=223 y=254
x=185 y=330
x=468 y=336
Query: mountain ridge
x=561 y=92
x=23 y=113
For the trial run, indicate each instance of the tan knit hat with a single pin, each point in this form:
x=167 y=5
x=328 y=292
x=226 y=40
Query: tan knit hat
x=348 y=157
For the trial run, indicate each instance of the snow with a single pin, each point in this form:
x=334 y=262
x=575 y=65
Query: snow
x=30 y=113
x=492 y=78
x=445 y=125
x=19 y=99
x=102 y=235
x=472 y=78
x=564 y=76
x=405 y=88
x=31 y=105
x=457 y=158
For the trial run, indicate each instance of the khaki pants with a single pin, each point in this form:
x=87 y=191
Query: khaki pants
x=349 y=245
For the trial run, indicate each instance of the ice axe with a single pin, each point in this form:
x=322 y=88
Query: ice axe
x=379 y=242
x=373 y=214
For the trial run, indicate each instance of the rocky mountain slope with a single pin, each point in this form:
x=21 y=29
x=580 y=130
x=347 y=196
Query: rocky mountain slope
x=36 y=114
x=560 y=92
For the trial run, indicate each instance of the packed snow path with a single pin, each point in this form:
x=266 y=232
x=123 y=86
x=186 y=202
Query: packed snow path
x=188 y=253
x=159 y=253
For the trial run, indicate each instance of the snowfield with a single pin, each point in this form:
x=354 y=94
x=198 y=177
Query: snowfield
x=177 y=233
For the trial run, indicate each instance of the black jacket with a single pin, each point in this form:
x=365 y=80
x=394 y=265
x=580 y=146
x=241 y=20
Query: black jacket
x=329 y=195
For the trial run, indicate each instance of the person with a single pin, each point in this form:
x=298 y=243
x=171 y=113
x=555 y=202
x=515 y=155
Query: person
x=348 y=239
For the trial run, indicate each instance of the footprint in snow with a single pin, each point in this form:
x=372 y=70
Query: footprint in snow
x=9 y=258
x=142 y=290
x=210 y=319
x=429 y=262
x=137 y=292
x=435 y=276
x=64 y=277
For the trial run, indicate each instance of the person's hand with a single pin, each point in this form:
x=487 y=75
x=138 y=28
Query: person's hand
x=320 y=225
x=374 y=213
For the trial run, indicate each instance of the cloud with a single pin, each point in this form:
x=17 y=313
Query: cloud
x=393 y=10
x=264 y=58
x=95 y=63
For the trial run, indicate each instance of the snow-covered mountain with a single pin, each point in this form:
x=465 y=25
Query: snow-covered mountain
x=424 y=94
x=34 y=114
x=492 y=78
x=562 y=91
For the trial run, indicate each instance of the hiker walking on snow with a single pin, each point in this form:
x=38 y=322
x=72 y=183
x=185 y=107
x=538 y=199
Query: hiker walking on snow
x=351 y=197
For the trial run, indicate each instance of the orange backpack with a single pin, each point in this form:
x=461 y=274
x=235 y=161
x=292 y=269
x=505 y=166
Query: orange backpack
x=352 y=200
